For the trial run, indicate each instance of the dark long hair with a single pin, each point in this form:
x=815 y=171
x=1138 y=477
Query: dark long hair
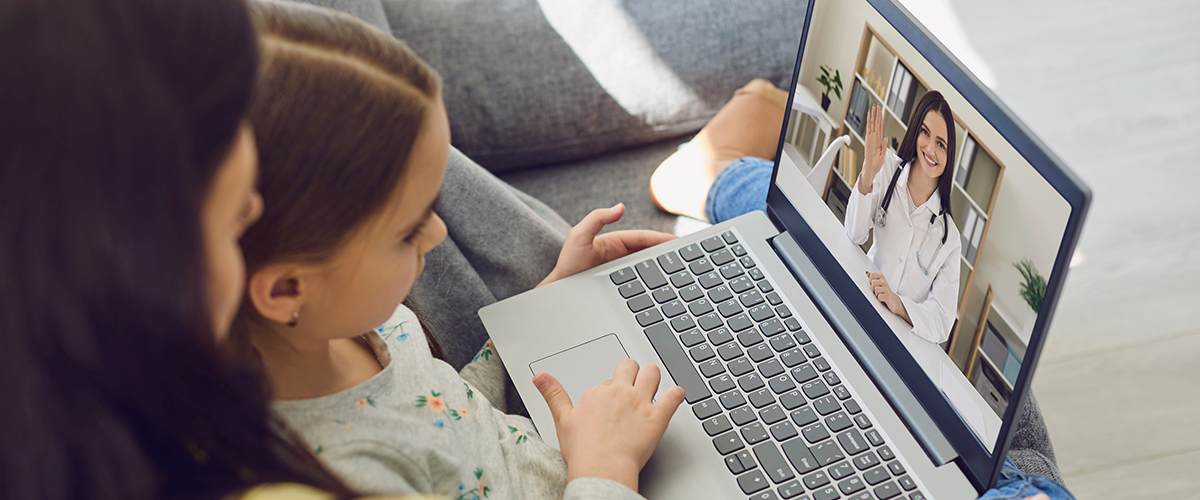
x=932 y=101
x=114 y=117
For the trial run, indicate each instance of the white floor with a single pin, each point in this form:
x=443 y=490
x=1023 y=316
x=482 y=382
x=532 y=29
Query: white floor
x=1113 y=87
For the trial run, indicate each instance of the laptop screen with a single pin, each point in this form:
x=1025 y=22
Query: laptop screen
x=980 y=220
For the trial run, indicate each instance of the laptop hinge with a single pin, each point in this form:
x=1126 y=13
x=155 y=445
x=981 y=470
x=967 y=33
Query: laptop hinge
x=886 y=378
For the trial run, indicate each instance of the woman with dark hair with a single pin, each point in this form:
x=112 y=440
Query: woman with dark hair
x=126 y=178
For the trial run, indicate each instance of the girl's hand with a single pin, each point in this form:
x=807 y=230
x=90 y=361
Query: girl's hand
x=876 y=150
x=883 y=292
x=615 y=427
x=584 y=250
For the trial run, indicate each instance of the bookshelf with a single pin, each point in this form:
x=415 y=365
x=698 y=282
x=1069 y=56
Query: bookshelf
x=883 y=78
x=997 y=352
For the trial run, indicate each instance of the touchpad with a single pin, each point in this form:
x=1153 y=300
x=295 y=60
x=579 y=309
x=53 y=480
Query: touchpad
x=584 y=366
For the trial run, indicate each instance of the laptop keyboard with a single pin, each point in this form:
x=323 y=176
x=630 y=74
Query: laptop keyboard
x=758 y=385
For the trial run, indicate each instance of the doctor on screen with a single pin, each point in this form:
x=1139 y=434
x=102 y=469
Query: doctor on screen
x=905 y=196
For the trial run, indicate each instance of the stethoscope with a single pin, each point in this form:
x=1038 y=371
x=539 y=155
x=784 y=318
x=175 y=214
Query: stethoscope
x=881 y=220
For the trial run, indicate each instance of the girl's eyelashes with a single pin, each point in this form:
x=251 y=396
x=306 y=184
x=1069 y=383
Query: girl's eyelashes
x=416 y=232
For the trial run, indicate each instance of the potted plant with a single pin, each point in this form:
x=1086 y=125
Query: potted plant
x=1033 y=290
x=832 y=84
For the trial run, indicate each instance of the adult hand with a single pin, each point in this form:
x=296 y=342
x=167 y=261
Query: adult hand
x=875 y=152
x=584 y=250
x=883 y=292
x=616 y=425
x=1039 y=496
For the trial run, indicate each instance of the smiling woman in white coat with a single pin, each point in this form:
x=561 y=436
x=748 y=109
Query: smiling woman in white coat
x=905 y=197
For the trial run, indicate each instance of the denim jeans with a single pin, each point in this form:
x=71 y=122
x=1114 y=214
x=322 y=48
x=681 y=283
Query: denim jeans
x=1015 y=485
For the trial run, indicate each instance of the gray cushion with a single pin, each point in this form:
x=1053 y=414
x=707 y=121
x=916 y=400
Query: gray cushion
x=519 y=95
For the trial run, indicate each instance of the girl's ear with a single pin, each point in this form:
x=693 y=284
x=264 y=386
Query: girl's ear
x=277 y=291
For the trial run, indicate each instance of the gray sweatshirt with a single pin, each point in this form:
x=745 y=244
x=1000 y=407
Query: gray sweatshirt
x=418 y=426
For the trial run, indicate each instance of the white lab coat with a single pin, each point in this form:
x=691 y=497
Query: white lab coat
x=931 y=301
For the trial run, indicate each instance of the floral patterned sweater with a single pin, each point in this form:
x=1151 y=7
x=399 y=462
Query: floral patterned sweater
x=420 y=427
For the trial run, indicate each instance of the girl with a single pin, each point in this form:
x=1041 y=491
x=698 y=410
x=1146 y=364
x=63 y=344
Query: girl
x=353 y=141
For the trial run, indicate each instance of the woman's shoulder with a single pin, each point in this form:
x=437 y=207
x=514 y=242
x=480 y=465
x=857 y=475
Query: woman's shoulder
x=294 y=491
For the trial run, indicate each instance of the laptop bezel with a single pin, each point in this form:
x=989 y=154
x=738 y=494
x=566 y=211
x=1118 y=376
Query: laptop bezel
x=979 y=464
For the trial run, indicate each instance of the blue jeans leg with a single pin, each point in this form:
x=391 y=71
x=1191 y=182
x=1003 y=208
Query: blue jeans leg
x=739 y=189
x=1016 y=485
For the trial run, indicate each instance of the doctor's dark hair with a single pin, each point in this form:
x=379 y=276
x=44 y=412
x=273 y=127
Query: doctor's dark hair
x=117 y=115
x=932 y=101
x=337 y=111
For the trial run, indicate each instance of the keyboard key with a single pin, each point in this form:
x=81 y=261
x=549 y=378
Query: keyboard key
x=761 y=398
x=826 y=493
x=729 y=308
x=852 y=407
x=812 y=351
x=721 y=384
x=804 y=373
x=738 y=250
x=772 y=298
x=648 y=317
x=792 y=357
x=865 y=495
x=815 y=433
x=709 y=321
x=771 y=328
x=650 y=274
x=772 y=414
x=851 y=485
x=729 y=237
x=691 y=252
x=897 y=469
x=750 y=382
x=709 y=280
x=841 y=470
x=814 y=389
x=801 y=337
x=783 y=431
x=711 y=368
x=876 y=476
x=792 y=324
x=670 y=262
x=740 y=322
x=804 y=416
x=663 y=294
x=640 y=303
x=783 y=312
x=682 y=279
x=690 y=293
x=734 y=465
x=873 y=437
x=719 y=336
x=729 y=351
x=761 y=313
x=700 y=307
x=827 y=453
x=682 y=323
x=770 y=368
x=781 y=384
x=702 y=352
x=748 y=337
x=747 y=262
x=754 y=433
x=720 y=294
x=721 y=257
x=732 y=270
x=866 y=460
x=728 y=442
x=841 y=392
x=706 y=409
x=886 y=454
x=862 y=421
x=816 y=480
x=765 y=286
x=621 y=276
x=782 y=343
x=742 y=416
x=700 y=267
x=826 y=405
x=790 y=489
x=717 y=425
x=821 y=364
x=831 y=379
x=760 y=352
x=772 y=462
x=630 y=289
x=852 y=442
x=673 y=308
x=732 y=399
x=764 y=495
x=712 y=244
x=792 y=400
x=676 y=362
x=917 y=496
x=751 y=299
x=752 y=482
x=740 y=366
x=800 y=456
x=907 y=483
x=838 y=422
x=888 y=490
x=756 y=274
x=691 y=337
x=741 y=284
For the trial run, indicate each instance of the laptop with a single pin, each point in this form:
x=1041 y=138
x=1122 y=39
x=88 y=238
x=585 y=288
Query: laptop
x=799 y=384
